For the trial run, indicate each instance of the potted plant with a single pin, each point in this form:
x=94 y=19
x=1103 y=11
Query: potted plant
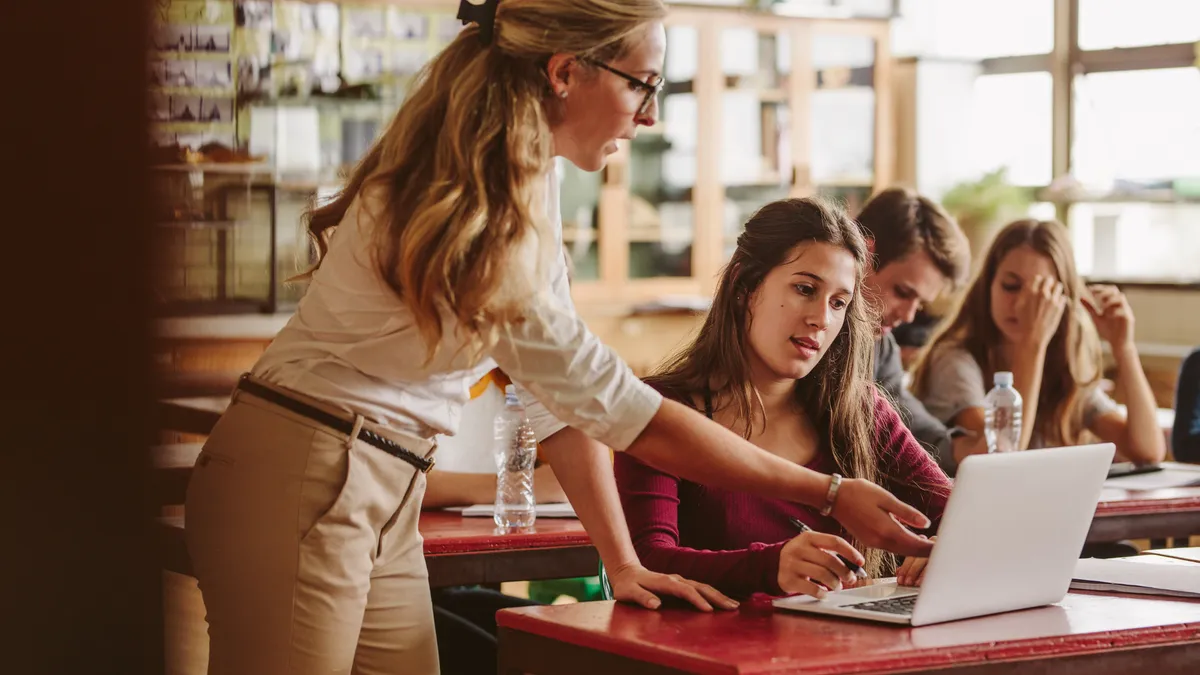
x=985 y=205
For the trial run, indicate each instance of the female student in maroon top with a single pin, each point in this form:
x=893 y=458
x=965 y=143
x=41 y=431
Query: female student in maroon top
x=784 y=359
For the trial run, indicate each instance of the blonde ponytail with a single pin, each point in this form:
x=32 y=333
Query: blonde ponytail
x=461 y=171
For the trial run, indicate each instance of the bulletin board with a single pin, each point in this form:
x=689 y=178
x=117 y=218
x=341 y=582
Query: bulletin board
x=211 y=59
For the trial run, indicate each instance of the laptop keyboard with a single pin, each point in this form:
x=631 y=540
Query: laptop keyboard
x=901 y=605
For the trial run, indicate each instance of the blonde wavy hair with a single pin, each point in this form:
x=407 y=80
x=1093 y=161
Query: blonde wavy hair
x=1073 y=358
x=460 y=173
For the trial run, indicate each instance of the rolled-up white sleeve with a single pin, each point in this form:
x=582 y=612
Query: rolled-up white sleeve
x=566 y=376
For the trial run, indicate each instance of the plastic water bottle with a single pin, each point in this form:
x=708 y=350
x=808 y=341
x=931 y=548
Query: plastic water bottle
x=516 y=452
x=1002 y=415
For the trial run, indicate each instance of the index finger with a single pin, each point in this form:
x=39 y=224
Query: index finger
x=835 y=544
x=904 y=513
x=906 y=543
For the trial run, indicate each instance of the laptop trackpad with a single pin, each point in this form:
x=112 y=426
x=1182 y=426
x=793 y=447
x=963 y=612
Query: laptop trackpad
x=877 y=591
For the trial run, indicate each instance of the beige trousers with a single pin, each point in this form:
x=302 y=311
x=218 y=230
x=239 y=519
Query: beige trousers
x=306 y=548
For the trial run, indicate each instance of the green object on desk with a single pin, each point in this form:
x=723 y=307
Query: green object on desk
x=583 y=589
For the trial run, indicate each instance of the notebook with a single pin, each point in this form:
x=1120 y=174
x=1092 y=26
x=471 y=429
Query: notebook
x=1117 y=575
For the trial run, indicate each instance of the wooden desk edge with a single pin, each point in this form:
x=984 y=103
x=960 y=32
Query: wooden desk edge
x=1147 y=506
x=513 y=622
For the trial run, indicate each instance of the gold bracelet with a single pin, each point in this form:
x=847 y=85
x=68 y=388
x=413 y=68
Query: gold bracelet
x=835 y=482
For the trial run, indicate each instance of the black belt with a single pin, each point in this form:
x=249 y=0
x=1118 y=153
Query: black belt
x=334 y=422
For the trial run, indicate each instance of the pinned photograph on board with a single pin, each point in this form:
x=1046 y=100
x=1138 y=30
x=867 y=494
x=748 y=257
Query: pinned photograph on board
x=217 y=110
x=407 y=25
x=249 y=79
x=328 y=17
x=160 y=108
x=211 y=38
x=365 y=23
x=362 y=64
x=326 y=59
x=214 y=74
x=181 y=73
x=174 y=38
x=295 y=16
x=185 y=108
x=254 y=13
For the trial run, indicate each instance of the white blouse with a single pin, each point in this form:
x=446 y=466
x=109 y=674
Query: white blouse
x=354 y=344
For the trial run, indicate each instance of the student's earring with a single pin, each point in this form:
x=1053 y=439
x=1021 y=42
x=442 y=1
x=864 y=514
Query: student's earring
x=562 y=94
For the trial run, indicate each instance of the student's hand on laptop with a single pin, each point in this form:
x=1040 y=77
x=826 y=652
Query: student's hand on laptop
x=807 y=564
x=912 y=571
x=876 y=518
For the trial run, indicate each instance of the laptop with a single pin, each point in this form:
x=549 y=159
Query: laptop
x=1013 y=529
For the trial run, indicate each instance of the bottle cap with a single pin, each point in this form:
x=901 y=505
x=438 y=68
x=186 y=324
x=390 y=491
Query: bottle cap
x=1003 y=378
x=510 y=395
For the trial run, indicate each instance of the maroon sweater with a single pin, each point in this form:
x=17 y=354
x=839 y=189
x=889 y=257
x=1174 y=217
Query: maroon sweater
x=732 y=540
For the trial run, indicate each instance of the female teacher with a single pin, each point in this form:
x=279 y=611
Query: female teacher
x=440 y=259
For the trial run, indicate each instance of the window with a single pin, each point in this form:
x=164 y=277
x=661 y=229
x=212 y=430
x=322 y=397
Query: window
x=1012 y=123
x=974 y=29
x=1132 y=196
x=1136 y=241
x=1105 y=24
x=1140 y=125
x=843 y=110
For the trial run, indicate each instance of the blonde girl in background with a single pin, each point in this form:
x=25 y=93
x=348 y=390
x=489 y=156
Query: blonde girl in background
x=1029 y=312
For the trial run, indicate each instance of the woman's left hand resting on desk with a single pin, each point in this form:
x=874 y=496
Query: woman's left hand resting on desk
x=634 y=583
x=585 y=471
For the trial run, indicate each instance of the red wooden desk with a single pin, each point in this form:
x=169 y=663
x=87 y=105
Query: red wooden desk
x=463 y=551
x=1146 y=514
x=1084 y=634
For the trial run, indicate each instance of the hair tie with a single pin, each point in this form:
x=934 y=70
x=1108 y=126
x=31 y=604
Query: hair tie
x=483 y=14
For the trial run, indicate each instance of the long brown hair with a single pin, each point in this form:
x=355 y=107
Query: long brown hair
x=461 y=171
x=1073 y=356
x=838 y=395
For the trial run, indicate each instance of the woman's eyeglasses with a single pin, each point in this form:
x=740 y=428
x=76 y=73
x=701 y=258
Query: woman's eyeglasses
x=652 y=89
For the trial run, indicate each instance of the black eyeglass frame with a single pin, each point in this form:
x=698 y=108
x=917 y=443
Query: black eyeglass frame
x=652 y=90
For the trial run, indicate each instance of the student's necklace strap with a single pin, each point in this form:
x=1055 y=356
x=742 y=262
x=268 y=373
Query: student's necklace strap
x=708 y=403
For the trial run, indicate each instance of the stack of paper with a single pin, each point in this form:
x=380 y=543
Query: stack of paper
x=563 y=510
x=1127 y=576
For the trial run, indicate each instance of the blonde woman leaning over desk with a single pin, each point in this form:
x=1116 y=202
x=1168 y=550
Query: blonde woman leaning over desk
x=441 y=259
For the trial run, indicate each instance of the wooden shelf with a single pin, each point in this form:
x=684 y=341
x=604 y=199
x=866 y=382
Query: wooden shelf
x=198 y=224
x=1161 y=196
